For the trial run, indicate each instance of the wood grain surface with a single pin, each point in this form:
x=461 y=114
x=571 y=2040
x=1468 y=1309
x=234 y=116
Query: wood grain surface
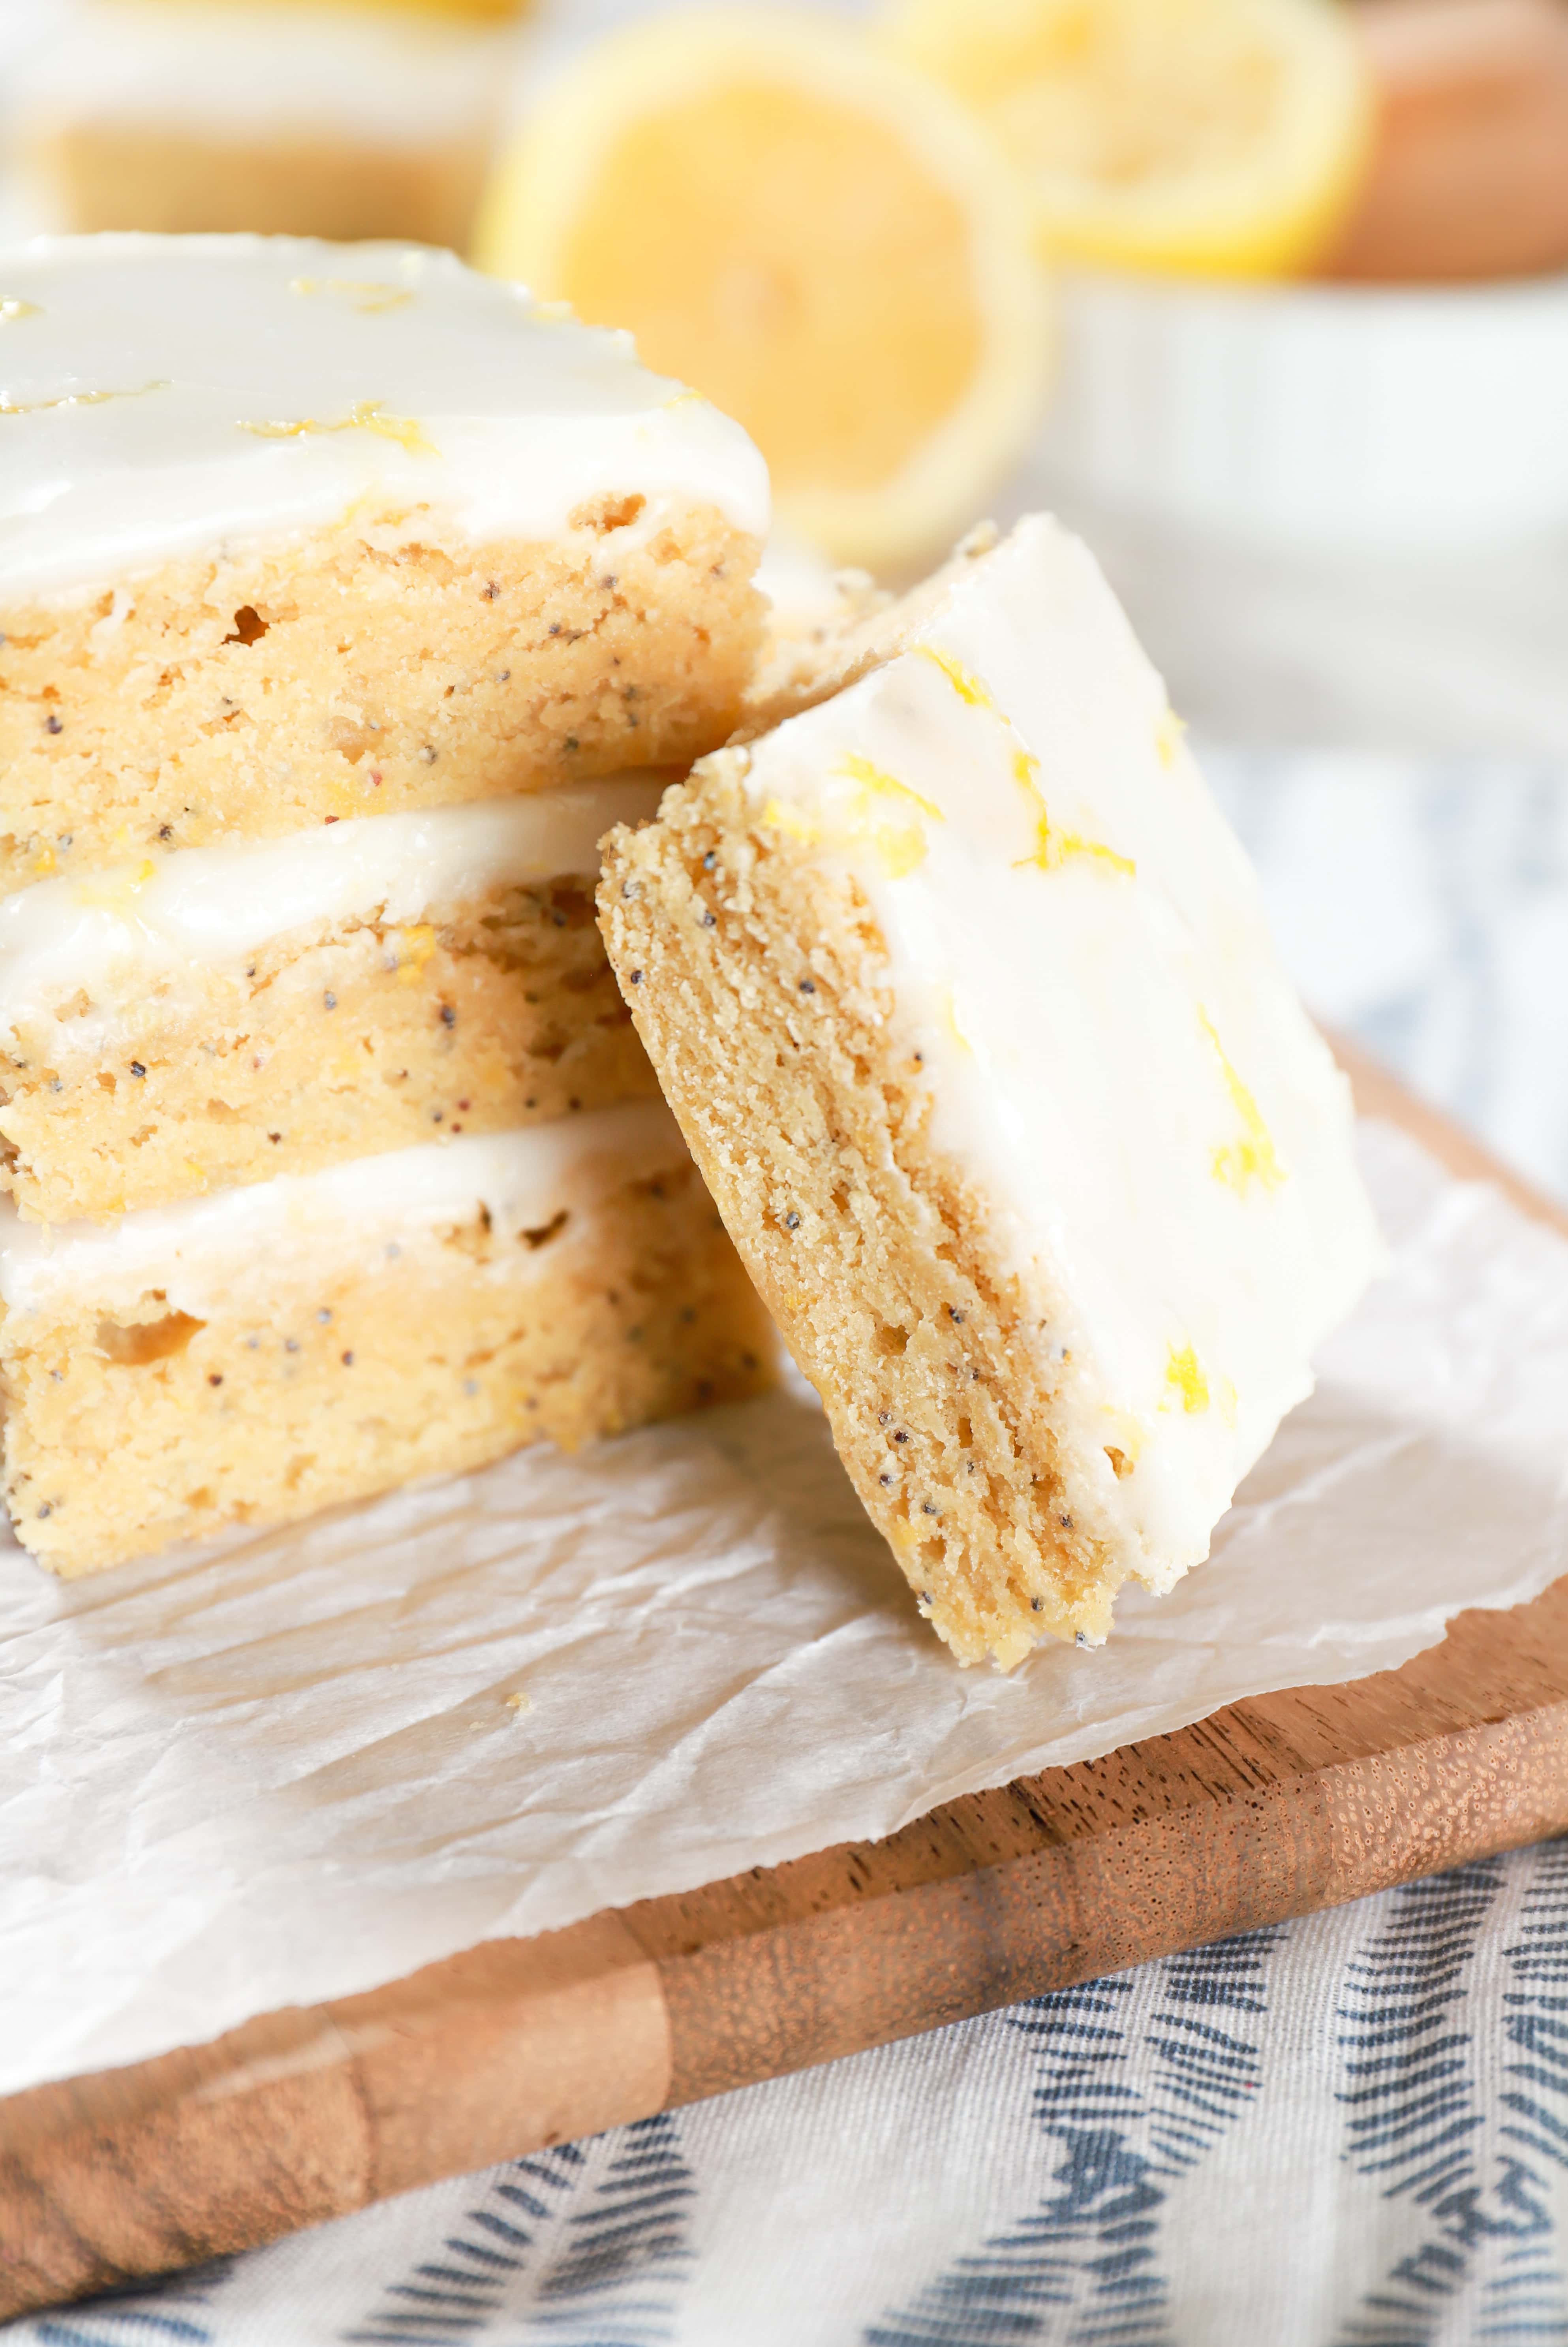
x=1272 y=1808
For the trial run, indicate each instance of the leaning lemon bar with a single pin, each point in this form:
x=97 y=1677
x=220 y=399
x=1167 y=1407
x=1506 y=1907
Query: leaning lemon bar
x=961 y=991
x=347 y=602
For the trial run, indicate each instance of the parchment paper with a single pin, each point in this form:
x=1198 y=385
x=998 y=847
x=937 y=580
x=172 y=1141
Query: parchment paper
x=294 y=1766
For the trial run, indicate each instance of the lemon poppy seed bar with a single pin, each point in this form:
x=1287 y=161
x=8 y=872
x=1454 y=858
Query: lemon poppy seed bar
x=348 y=599
x=960 y=988
x=293 y=532
x=252 y=1357
x=175 y=1023
x=337 y=121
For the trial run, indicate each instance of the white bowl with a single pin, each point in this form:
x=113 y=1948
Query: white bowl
x=1317 y=417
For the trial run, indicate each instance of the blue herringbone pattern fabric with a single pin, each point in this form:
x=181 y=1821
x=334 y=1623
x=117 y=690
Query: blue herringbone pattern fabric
x=1347 y=2131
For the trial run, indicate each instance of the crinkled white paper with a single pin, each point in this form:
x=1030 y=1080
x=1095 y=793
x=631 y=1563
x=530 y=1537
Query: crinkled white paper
x=301 y=1764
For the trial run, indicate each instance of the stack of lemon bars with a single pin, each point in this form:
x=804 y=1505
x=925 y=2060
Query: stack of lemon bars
x=348 y=597
x=354 y=606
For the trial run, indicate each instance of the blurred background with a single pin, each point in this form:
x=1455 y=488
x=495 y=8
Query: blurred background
x=1267 y=297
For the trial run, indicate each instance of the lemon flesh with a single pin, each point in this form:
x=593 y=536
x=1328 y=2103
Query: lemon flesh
x=819 y=241
x=841 y=374
x=1219 y=137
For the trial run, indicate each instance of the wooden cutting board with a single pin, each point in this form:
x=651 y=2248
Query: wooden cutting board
x=1270 y=1808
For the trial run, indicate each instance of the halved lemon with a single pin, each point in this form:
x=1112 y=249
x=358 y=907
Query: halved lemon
x=1224 y=138
x=814 y=235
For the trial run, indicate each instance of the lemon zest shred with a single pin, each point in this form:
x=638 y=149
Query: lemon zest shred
x=902 y=851
x=970 y=689
x=43 y=863
x=368 y=295
x=1054 y=848
x=365 y=415
x=11 y=306
x=416 y=945
x=882 y=785
x=950 y=1021
x=1185 y=1377
x=777 y=817
x=900 y=844
x=1253 y=1157
x=111 y=888
x=77 y=399
x=1168 y=735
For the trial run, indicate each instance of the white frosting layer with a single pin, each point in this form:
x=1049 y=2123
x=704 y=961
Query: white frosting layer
x=159 y=394
x=1116 y=1059
x=213 y=69
x=242 y=1248
x=115 y=933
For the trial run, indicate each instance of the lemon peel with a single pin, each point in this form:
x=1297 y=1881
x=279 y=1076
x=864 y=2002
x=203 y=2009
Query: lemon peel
x=368 y=295
x=881 y=784
x=77 y=399
x=1184 y=1375
x=971 y=689
x=365 y=415
x=1054 y=847
x=1252 y=1157
x=1168 y=735
x=860 y=821
x=791 y=822
x=415 y=946
x=113 y=889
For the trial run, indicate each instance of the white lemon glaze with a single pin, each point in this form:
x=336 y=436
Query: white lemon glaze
x=1115 y=1058
x=117 y=933
x=161 y=394
x=242 y=1248
x=344 y=72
